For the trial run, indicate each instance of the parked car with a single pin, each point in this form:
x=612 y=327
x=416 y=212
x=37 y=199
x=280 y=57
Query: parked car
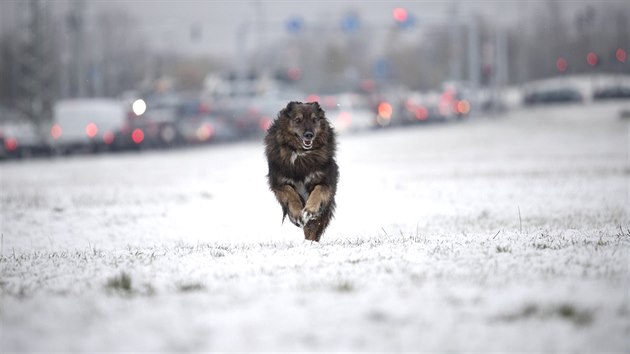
x=206 y=128
x=458 y=100
x=552 y=95
x=249 y=115
x=152 y=120
x=348 y=112
x=155 y=124
x=86 y=124
x=388 y=107
x=612 y=92
x=428 y=107
x=21 y=139
x=199 y=123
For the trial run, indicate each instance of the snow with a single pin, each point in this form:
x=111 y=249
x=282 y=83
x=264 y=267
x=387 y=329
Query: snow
x=498 y=234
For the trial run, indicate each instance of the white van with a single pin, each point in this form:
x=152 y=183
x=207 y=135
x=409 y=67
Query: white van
x=86 y=123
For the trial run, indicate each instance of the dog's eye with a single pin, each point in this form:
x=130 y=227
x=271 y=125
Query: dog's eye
x=298 y=119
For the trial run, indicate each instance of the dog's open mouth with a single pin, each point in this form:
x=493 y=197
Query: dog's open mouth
x=307 y=144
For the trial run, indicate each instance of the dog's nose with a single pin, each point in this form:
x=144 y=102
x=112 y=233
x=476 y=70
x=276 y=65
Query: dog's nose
x=308 y=135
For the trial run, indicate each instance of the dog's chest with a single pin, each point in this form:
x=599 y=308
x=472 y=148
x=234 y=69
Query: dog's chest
x=300 y=188
x=302 y=185
x=298 y=185
x=295 y=155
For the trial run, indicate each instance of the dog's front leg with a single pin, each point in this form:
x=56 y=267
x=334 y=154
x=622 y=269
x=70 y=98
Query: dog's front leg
x=319 y=197
x=290 y=202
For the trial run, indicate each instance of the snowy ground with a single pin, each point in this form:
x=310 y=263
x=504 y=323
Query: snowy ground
x=500 y=234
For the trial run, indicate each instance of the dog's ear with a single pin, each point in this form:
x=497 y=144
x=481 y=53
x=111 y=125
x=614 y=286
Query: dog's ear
x=317 y=108
x=284 y=113
x=291 y=105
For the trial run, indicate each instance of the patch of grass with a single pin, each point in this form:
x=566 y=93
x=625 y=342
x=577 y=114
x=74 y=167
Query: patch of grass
x=121 y=282
x=547 y=241
x=540 y=246
x=217 y=253
x=123 y=285
x=601 y=242
x=623 y=233
x=564 y=311
x=504 y=249
x=190 y=287
x=345 y=287
x=356 y=260
x=572 y=314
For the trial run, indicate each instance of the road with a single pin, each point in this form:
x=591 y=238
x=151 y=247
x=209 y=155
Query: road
x=501 y=233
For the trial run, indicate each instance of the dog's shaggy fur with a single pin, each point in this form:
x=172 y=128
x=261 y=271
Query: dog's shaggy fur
x=300 y=147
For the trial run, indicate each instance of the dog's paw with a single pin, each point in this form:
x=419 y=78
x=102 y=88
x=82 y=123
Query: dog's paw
x=296 y=220
x=294 y=212
x=307 y=216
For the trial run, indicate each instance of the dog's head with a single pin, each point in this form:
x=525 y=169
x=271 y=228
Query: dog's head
x=306 y=122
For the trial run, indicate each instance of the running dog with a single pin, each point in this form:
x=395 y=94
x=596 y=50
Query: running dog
x=300 y=148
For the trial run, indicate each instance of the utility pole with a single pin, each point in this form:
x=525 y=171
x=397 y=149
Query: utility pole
x=474 y=65
x=500 y=79
x=76 y=24
x=502 y=58
x=455 y=67
x=36 y=91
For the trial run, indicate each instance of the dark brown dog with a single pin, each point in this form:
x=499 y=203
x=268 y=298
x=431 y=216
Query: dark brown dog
x=300 y=148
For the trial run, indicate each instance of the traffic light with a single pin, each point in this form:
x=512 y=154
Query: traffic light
x=403 y=18
x=294 y=24
x=400 y=14
x=350 y=23
x=592 y=59
x=561 y=64
x=621 y=55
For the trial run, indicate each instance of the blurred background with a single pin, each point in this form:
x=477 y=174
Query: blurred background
x=85 y=76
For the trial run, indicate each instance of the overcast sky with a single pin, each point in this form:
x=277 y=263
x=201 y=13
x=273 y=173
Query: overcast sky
x=168 y=24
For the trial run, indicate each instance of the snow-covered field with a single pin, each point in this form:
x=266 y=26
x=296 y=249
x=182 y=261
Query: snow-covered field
x=499 y=234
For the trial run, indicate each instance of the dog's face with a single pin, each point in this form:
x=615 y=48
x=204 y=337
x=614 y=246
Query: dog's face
x=305 y=122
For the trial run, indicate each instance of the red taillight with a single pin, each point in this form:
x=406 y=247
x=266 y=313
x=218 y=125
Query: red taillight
x=422 y=113
x=205 y=131
x=91 y=130
x=592 y=59
x=11 y=144
x=462 y=107
x=108 y=137
x=384 y=115
x=621 y=55
x=385 y=110
x=55 y=131
x=137 y=136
